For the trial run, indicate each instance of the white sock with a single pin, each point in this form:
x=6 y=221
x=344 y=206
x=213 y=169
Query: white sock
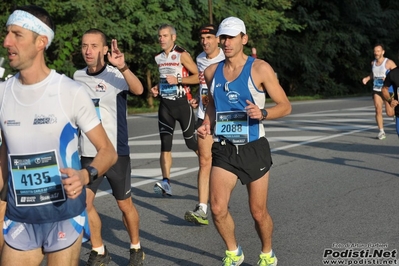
x=268 y=253
x=234 y=251
x=382 y=130
x=135 y=246
x=204 y=207
x=100 y=250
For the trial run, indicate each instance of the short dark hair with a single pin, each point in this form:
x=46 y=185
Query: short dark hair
x=40 y=13
x=97 y=31
x=379 y=44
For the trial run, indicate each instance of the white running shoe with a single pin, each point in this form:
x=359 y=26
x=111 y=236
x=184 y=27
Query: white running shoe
x=381 y=135
x=163 y=188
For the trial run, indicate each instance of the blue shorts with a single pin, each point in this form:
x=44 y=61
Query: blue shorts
x=50 y=237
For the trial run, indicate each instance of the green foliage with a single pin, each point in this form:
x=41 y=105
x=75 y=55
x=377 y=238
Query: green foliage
x=316 y=47
x=333 y=53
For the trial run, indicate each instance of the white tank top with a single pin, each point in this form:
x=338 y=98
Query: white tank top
x=379 y=74
x=171 y=65
x=202 y=64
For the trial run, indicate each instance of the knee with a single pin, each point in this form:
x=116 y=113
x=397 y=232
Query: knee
x=260 y=215
x=125 y=205
x=166 y=142
x=205 y=160
x=218 y=210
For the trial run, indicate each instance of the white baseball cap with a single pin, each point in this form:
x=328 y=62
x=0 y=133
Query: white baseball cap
x=231 y=26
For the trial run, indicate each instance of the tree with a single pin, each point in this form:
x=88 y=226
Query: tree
x=135 y=23
x=331 y=55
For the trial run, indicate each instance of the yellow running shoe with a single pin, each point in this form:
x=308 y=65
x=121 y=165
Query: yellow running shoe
x=267 y=260
x=232 y=259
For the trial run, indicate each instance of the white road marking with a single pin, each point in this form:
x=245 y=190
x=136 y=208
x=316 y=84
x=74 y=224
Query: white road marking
x=154 y=175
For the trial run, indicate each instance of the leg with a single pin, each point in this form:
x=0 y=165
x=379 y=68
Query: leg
x=131 y=221
x=199 y=214
x=66 y=257
x=222 y=184
x=130 y=218
x=14 y=257
x=186 y=119
x=257 y=194
x=378 y=111
x=94 y=220
x=205 y=164
x=166 y=126
x=119 y=178
x=166 y=163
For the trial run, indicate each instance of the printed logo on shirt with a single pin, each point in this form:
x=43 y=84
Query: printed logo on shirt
x=101 y=87
x=12 y=123
x=233 y=96
x=42 y=119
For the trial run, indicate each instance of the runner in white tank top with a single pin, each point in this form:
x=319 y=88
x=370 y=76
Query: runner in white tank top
x=379 y=68
x=177 y=71
x=211 y=54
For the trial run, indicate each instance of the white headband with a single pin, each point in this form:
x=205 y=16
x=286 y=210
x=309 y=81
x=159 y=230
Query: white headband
x=30 y=22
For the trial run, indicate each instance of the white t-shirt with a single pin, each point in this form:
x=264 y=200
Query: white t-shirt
x=40 y=125
x=108 y=90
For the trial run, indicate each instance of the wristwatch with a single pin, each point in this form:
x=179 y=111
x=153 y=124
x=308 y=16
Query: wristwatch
x=123 y=69
x=179 y=79
x=264 y=114
x=93 y=173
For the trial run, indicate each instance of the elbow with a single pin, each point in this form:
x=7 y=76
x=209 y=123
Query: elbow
x=138 y=90
x=288 y=108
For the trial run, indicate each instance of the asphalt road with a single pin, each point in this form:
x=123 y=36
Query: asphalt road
x=333 y=186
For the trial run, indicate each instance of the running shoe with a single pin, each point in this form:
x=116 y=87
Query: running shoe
x=98 y=260
x=163 y=188
x=267 y=260
x=197 y=216
x=232 y=259
x=136 y=257
x=381 y=135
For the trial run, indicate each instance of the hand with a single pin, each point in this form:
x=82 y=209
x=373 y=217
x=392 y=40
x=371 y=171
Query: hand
x=172 y=80
x=365 y=80
x=394 y=103
x=253 y=52
x=194 y=103
x=205 y=100
x=116 y=57
x=253 y=111
x=155 y=91
x=73 y=182
x=204 y=130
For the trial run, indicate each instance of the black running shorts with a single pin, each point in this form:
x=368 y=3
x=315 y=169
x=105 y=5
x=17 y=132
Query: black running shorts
x=118 y=176
x=248 y=162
